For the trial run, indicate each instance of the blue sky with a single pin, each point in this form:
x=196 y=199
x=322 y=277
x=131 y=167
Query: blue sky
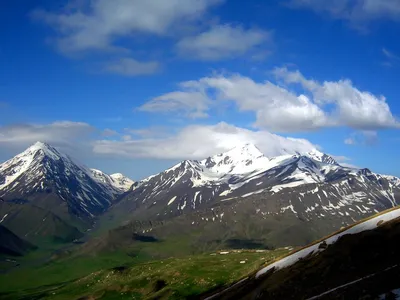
x=131 y=86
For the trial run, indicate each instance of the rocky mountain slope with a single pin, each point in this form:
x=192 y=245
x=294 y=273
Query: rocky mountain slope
x=43 y=185
x=308 y=185
x=241 y=195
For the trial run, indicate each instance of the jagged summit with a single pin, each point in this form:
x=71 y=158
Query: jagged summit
x=321 y=157
x=117 y=175
x=241 y=159
x=121 y=181
x=248 y=150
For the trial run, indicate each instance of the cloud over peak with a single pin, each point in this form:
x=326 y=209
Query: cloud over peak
x=201 y=141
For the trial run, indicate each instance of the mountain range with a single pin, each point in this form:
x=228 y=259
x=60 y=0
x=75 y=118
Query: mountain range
x=239 y=198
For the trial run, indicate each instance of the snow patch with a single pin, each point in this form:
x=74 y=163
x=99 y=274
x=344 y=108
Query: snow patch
x=3 y=218
x=172 y=200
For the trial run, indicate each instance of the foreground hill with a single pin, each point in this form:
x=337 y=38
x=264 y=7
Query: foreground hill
x=360 y=262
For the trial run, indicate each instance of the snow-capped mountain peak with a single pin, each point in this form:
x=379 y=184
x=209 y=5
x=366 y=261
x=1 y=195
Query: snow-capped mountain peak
x=117 y=181
x=321 y=157
x=43 y=148
x=42 y=169
x=239 y=160
x=245 y=151
x=31 y=157
x=122 y=181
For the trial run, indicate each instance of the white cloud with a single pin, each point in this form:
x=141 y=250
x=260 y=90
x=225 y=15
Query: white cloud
x=340 y=158
x=223 y=42
x=149 y=132
x=391 y=58
x=109 y=132
x=349 y=141
x=275 y=107
x=98 y=24
x=62 y=133
x=344 y=160
x=349 y=165
x=193 y=104
x=357 y=109
x=131 y=67
x=198 y=142
x=389 y=54
x=280 y=109
x=126 y=137
x=364 y=137
x=354 y=11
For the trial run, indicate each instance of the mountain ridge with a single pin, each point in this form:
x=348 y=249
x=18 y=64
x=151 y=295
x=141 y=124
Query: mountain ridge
x=283 y=201
x=235 y=185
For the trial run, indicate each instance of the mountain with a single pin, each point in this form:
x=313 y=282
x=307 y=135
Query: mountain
x=358 y=262
x=116 y=183
x=12 y=245
x=244 y=196
x=43 y=180
x=322 y=157
x=245 y=171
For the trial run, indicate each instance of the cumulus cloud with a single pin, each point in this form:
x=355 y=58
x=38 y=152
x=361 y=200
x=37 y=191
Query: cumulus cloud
x=131 y=67
x=109 y=132
x=278 y=108
x=275 y=107
x=149 y=132
x=191 y=103
x=62 y=134
x=98 y=24
x=364 y=137
x=349 y=141
x=223 y=42
x=354 y=11
x=353 y=108
x=201 y=141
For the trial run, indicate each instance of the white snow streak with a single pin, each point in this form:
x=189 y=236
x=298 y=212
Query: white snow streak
x=172 y=200
x=367 y=225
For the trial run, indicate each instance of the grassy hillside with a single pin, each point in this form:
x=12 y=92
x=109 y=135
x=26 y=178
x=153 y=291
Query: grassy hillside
x=36 y=224
x=129 y=278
